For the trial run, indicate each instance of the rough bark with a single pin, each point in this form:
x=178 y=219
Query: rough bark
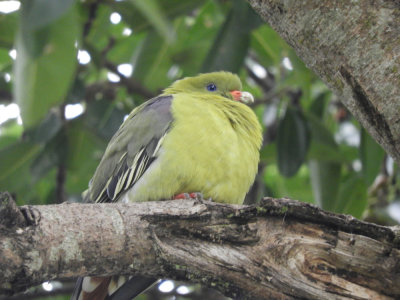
x=282 y=249
x=354 y=46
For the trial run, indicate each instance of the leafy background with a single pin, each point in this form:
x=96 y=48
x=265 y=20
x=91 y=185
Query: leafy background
x=74 y=69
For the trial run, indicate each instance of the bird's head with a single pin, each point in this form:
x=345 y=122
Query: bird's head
x=224 y=84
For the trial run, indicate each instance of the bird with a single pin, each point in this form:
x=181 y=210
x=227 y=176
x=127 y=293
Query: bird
x=198 y=137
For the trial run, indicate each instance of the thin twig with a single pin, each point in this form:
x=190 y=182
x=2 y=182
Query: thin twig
x=91 y=17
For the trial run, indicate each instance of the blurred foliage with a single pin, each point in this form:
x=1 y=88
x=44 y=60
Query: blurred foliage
x=110 y=56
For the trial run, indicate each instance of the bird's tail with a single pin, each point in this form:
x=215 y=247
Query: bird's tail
x=110 y=288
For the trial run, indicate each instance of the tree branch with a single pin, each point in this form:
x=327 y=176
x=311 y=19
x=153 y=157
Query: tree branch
x=130 y=83
x=282 y=249
x=354 y=47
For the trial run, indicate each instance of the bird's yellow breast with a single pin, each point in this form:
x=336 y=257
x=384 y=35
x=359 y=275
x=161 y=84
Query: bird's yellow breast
x=217 y=153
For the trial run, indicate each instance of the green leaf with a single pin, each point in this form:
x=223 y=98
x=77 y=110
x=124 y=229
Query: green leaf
x=152 y=62
x=319 y=132
x=44 y=190
x=54 y=152
x=155 y=16
x=195 y=38
x=84 y=153
x=10 y=132
x=323 y=145
x=324 y=164
x=124 y=48
x=103 y=118
x=233 y=40
x=5 y=66
x=268 y=45
x=14 y=164
x=46 y=63
x=139 y=21
x=39 y=13
x=296 y=187
x=318 y=105
x=46 y=129
x=268 y=153
x=301 y=76
x=371 y=155
x=352 y=197
x=293 y=140
x=99 y=35
x=8 y=26
x=325 y=181
x=324 y=152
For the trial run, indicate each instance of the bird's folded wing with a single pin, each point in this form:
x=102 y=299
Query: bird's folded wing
x=132 y=150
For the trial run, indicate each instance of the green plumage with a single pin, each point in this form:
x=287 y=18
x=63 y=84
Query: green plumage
x=189 y=139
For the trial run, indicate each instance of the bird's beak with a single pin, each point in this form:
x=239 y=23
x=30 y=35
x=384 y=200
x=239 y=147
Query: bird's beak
x=244 y=97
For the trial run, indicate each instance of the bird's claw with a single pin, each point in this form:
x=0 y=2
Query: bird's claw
x=192 y=196
x=188 y=196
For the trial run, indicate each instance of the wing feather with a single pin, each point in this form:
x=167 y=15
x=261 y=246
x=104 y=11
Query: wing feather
x=132 y=150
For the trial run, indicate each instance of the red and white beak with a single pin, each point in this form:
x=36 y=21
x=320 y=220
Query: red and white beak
x=244 y=97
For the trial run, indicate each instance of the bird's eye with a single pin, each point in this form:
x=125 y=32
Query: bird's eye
x=211 y=87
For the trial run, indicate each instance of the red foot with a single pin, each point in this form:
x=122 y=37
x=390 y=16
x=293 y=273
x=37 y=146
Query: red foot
x=186 y=196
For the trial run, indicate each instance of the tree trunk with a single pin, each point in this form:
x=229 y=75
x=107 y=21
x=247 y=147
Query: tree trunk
x=282 y=249
x=354 y=47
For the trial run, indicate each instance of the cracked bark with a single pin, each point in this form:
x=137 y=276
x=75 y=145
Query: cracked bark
x=282 y=249
x=354 y=47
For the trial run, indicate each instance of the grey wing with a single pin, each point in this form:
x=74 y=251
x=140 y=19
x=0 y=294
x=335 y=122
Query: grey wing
x=131 y=150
